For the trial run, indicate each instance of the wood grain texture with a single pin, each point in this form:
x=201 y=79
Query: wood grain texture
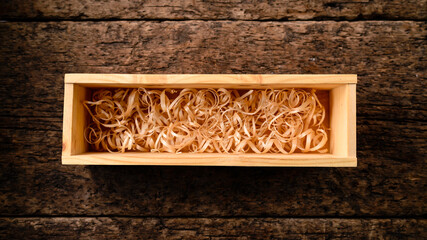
x=216 y=10
x=388 y=56
x=210 y=228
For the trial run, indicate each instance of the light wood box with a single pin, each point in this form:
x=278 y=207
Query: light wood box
x=342 y=108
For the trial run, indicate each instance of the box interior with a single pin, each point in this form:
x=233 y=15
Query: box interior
x=334 y=99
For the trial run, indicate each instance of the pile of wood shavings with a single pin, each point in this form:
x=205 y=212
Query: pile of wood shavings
x=206 y=120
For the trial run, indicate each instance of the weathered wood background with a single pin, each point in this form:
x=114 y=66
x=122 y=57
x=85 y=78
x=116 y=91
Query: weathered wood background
x=384 y=42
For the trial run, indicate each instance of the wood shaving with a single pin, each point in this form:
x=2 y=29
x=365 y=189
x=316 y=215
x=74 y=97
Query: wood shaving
x=207 y=121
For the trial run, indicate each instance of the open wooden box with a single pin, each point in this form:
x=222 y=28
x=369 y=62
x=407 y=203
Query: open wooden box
x=342 y=119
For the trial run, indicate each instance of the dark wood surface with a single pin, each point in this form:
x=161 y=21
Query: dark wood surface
x=384 y=197
x=216 y=10
x=212 y=228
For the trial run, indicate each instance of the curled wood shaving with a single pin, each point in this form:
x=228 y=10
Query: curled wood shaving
x=206 y=120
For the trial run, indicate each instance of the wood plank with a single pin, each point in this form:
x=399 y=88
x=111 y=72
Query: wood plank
x=131 y=47
x=218 y=10
x=386 y=183
x=211 y=228
x=388 y=56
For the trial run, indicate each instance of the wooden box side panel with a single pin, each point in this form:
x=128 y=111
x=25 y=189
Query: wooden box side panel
x=343 y=120
x=339 y=120
x=75 y=120
x=67 y=119
x=322 y=81
x=210 y=159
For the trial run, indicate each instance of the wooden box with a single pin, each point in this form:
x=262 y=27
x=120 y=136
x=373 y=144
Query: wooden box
x=342 y=119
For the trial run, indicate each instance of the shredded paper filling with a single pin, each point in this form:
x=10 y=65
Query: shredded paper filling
x=207 y=121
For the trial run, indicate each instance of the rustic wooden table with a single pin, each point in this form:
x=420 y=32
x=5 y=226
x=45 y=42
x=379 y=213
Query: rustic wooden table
x=384 y=42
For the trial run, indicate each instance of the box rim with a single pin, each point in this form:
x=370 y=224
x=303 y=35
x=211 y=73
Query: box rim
x=238 y=79
x=210 y=159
